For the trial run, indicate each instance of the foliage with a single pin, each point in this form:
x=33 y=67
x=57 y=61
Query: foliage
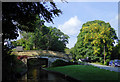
x=59 y=62
x=93 y=37
x=116 y=52
x=26 y=41
x=86 y=73
x=43 y=37
x=10 y=65
x=67 y=50
x=107 y=61
x=73 y=52
x=14 y=43
x=20 y=15
x=82 y=63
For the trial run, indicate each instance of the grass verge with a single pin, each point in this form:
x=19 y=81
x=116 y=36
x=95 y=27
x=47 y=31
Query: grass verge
x=85 y=72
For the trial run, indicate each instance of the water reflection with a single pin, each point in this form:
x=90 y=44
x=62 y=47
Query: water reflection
x=38 y=75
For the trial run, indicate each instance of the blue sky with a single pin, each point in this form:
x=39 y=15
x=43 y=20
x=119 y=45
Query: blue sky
x=77 y=13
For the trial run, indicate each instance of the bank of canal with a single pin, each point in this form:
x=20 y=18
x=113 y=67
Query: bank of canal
x=36 y=74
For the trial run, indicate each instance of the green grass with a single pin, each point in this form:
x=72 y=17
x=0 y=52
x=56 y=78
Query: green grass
x=85 y=73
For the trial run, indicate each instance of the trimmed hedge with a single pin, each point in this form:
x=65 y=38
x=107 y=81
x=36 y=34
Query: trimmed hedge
x=60 y=62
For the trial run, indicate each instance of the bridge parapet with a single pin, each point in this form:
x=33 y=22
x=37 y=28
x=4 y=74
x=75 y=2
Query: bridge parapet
x=43 y=53
x=51 y=56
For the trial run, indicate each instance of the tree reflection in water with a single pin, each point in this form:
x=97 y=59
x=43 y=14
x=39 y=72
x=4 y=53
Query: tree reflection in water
x=36 y=74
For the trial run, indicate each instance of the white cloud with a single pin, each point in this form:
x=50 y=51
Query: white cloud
x=71 y=27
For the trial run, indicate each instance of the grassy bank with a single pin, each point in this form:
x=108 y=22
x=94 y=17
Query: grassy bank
x=86 y=73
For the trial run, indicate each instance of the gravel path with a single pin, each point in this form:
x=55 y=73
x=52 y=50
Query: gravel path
x=116 y=69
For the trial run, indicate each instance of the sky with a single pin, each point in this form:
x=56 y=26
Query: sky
x=77 y=13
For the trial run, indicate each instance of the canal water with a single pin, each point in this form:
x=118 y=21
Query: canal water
x=36 y=74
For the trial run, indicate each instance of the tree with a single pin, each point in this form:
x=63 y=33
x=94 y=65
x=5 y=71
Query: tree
x=73 y=52
x=26 y=41
x=116 y=52
x=67 y=50
x=57 y=40
x=20 y=15
x=43 y=37
x=95 y=40
x=50 y=38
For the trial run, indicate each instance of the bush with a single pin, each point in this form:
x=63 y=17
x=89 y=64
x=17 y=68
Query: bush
x=75 y=62
x=72 y=60
x=59 y=62
x=81 y=63
x=107 y=61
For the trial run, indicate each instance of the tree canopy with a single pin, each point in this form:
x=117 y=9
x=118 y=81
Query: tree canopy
x=20 y=15
x=43 y=37
x=116 y=52
x=95 y=37
x=23 y=16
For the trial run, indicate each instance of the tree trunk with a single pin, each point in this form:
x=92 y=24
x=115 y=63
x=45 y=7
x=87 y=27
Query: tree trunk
x=104 y=54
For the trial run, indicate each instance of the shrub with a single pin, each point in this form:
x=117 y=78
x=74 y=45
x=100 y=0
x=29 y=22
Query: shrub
x=81 y=63
x=59 y=62
x=102 y=61
x=13 y=50
x=71 y=60
x=107 y=61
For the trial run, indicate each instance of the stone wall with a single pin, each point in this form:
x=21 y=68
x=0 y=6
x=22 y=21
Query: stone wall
x=42 y=52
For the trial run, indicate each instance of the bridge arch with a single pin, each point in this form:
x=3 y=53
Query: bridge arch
x=50 y=56
x=40 y=60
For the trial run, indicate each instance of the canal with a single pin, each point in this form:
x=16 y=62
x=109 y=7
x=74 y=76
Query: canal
x=36 y=74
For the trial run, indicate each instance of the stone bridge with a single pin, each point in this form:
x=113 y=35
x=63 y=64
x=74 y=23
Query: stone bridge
x=49 y=56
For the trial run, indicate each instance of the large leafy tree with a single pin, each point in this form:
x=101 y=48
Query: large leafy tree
x=73 y=52
x=43 y=37
x=57 y=40
x=20 y=15
x=47 y=38
x=95 y=40
x=116 y=52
